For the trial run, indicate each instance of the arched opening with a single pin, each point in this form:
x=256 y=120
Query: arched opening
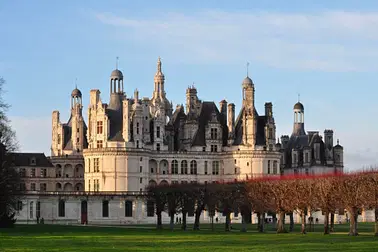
x=184 y=167
x=58 y=187
x=68 y=171
x=174 y=167
x=164 y=182
x=58 y=171
x=163 y=166
x=193 y=167
x=152 y=183
x=79 y=171
x=79 y=187
x=68 y=187
x=152 y=164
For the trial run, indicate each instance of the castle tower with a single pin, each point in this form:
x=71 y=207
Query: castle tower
x=159 y=78
x=298 y=128
x=338 y=154
x=77 y=122
x=249 y=117
x=191 y=101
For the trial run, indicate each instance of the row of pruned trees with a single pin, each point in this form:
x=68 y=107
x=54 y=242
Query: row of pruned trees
x=279 y=195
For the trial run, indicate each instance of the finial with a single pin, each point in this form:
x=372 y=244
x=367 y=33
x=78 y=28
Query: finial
x=117 y=58
x=247 y=68
x=338 y=141
x=75 y=83
x=159 y=65
x=299 y=97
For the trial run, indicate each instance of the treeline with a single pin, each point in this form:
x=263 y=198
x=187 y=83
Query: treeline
x=276 y=195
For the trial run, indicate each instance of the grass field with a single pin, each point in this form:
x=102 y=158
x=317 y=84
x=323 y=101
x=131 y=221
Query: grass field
x=146 y=238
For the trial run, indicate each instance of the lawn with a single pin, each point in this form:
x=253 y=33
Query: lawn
x=146 y=238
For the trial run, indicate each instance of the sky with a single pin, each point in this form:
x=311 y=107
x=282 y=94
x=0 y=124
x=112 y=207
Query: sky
x=325 y=51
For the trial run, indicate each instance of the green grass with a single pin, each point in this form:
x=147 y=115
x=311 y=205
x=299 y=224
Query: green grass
x=79 y=238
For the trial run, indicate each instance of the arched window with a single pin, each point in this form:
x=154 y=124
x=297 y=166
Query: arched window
x=184 y=167
x=174 y=168
x=193 y=167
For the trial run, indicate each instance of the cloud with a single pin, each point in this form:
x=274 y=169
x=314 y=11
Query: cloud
x=326 y=41
x=33 y=134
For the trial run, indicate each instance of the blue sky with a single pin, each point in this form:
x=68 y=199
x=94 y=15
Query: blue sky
x=324 y=50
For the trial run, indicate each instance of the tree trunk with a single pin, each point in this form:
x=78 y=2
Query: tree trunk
x=183 y=225
x=326 y=223
x=244 y=226
x=197 y=220
x=262 y=223
x=281 y=223
x=258 y=221
x=376 y=221
x=228 y=221
x=159 y=223
x=332 y=229
x=212 y=223
x=172 y=222
x=353 y=222
x=303 y=219
x=291 y=215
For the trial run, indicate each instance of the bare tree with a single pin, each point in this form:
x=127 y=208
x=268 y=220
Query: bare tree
x=7 y=134
x=172 y=194
x=157 y=194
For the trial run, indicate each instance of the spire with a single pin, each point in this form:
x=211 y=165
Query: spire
x=117 y=58
x=76 y=83
x=159 y=65
x=247 y=68
x=299 y=97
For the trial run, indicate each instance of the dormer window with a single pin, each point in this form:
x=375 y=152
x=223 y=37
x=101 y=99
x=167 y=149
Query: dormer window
x=214 y=133
x=33 y=161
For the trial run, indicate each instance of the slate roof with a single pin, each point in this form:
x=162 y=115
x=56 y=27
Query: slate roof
x=24 y=159
x=67 y=132
x=114 y=112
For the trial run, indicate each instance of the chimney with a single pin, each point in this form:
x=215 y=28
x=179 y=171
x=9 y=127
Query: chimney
x=231 y=118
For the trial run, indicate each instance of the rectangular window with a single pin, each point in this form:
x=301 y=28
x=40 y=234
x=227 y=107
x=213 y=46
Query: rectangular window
x=31 y=210
x=174 y=168
x=77 y=130
x=43 y=173
x=89 y=185
x=268 y=166
x=214 y=148
x=137 y=144
x=236 y=170
x=214 y=133
x=204 y=148
x=22 y=172
x=205 y=168
x=99 y=127
x=140 y=169
x=38 y=209
x=32 y=187
x=62 y=208
x=128 y=208
x=150 y=209
x=105 y=208
x=19 y=206
x=137 y=129
x=99 y=144
x=158 y=147
x=96 y=164
x=157 y=132
x=215 y=167
x=32 y=174
x=42 y=187
x=77 y=139
x=141 y=180
x=174 y=182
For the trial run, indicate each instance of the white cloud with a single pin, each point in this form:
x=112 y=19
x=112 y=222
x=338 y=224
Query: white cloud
x=327 y=41
x=33 y=134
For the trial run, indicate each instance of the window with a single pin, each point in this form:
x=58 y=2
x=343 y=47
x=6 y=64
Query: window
x=214 y=133
x=33 y=161
x=23 y=187
x=141 y=159
x=137 y=144
x=137 y=128
x=205 y=168
x=38 y=209
x=22 y=172
x=158 y=147
x=42 y=187
x=235 y=161
x=215 y=167
x=32 y=174
x=62 y=208
x=295 y=158
x=43 y=173
x=174 y=182
x=275 y=167
x=193 y=167
x=96 y=164
x=31 y=210
x=96 y=185
x=174 y=168
x=236 y=170
x=204 y=148
x=157 y=132
x=193 y=182
x=99 y=127
x=184 y=167
x=306 y=157
x=184 y=182
x=150 y=209
x=105 y=208
x=214 y=148
x=141 y=180
x=89 y=165
x=77 y=130
x=32 y=187
x=268 y=166
x=89 y=185
x=128 y=208
x=99 y=144
x=77 y=139
x=140 y=168
x=19 y=206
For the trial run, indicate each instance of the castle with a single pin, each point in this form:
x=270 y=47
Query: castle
x=132 y=142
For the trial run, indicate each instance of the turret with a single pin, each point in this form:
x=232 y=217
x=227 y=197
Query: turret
x=298 y=128
x=231 y=119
